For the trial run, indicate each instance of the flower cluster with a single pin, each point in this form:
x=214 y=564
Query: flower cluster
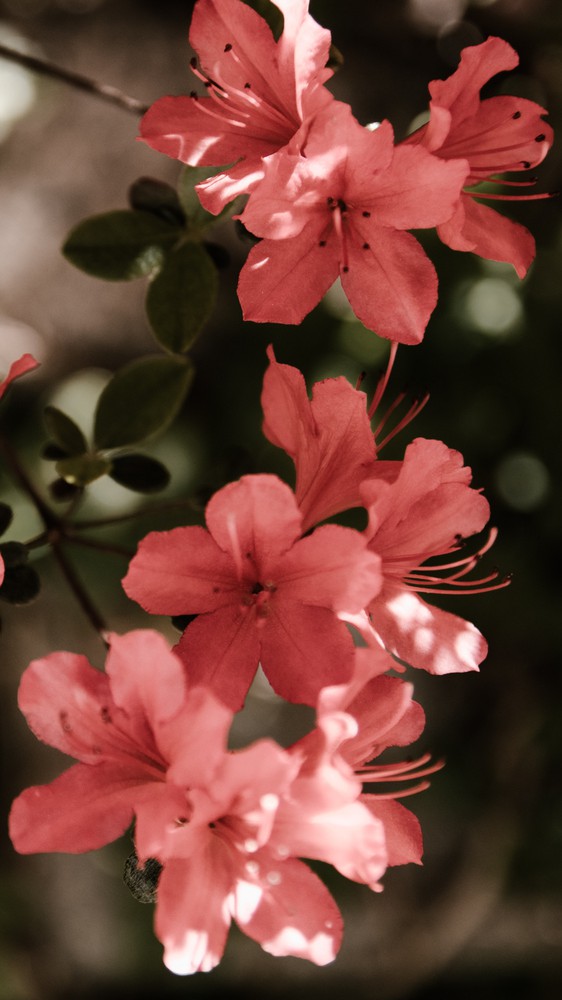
x=334 y=615
x=329 y=198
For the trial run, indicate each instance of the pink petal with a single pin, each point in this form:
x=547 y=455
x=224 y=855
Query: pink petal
x=179 y=127
x=303 y=649
x=181 y=571
x=424 y=510
x=192 y=913
x=460 y=92
x=18 y=368
x=417 y=191
x=425 y=636
x=484 y=231
x=331 y=568
x=81 y=810
x=147 y=680
x=392 y=285
x=401 y=828
x=502 y=127
x=348 y=837
x=257 y=520
x=68 y=705
x=221 y=651
x=292 y=914
x=382 y=710
x=282 y=280
x=329 y=439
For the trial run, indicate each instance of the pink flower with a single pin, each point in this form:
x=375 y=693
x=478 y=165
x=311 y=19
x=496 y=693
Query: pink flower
x=339 y=207
x=385 y=715
x=260 y=591
x=426 y=511
x=226 y=826
x=329 y=438
x=260 y=91
x=497 y=135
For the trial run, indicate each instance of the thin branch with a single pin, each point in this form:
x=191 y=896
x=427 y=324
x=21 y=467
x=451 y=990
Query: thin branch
x=81 y=595
x=102 y=522
x=91 y=543
x=102 y=90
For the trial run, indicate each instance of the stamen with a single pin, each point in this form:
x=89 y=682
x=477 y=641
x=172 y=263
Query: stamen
x=339 y=210
x=403 y=771
x=383 y=381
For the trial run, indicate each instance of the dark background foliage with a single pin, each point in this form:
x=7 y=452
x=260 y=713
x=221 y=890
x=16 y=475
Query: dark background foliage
x=484 y=915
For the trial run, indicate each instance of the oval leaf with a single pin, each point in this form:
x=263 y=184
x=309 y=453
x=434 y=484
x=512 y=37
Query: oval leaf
x=150 y=195
x=141 y=400
x=65 y=433
x=140 y=473
x=119 y=246
x=82 y=469
x=182 y=296
x=21 y=585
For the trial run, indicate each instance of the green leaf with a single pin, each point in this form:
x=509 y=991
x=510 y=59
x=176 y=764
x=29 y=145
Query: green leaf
x=150 y=195
x=141 y=400
x=6 y=515
x=21 y=582
x=65 y=433
x=140 y=473
x=182 y=296
x=119 y=246
x=83 y=469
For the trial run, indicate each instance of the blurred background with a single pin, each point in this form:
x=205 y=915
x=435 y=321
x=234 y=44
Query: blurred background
x=483 y=917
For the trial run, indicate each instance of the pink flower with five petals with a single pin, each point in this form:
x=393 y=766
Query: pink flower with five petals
x=424 y=511
x=259 y=93
x=260 y=591
x=339 y=205
x=496 y=135
x=227 y=826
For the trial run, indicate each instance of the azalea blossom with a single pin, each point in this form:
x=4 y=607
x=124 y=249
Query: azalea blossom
x=227 y=826
x=329 y=437
x=497 y=135
x=386 y=716
x=259 y=93
x=338 y=206
x=426 y=511
x=260 y=591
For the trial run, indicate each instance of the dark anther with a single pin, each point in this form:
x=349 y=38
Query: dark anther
x=342 y=205
x=525 y=164
x=257 y=588
x=194 y=95
x=366 y=246
x=540 y=138
x=322 y=243
x=247 y=86
x=516 y=115
x=345 y=269
x=193 y=62
x=228 y=47
x=331 y=201
x=105 y=714
x=366 y=215
x=458 y=539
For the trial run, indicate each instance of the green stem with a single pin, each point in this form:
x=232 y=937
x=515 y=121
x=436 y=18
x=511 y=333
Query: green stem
x=102 y=90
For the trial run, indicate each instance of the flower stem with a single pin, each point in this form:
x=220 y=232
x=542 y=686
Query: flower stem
x=102 y=90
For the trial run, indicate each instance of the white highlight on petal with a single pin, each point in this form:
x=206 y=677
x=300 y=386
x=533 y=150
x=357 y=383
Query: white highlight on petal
x=291 y=941
x=191 y=955
x=409 y=611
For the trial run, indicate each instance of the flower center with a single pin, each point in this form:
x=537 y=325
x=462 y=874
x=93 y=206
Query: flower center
x=252 y=106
